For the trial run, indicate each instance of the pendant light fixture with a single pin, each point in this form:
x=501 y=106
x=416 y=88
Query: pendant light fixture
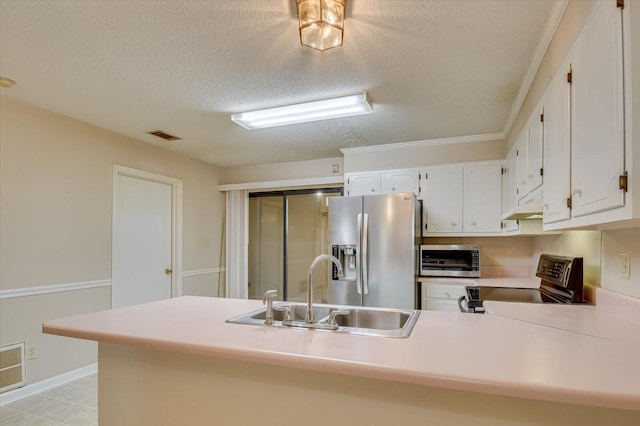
x=321 y=23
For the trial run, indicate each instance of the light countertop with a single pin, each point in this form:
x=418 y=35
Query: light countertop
x=504 y=354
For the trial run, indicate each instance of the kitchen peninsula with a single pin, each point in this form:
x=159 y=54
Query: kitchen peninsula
x=176 y=361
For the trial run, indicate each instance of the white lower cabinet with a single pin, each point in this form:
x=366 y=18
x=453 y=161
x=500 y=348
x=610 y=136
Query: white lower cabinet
x=442 y=296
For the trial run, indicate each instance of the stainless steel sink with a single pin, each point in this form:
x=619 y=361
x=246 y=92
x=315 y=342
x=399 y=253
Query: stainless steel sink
x=380 y=322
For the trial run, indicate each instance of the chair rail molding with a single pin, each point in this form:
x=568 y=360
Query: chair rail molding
x=53 y=288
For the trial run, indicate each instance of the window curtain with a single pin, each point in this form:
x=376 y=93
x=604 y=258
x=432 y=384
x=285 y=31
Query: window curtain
x=237 y=244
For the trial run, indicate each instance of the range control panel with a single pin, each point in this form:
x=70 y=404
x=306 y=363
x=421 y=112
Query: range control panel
x=562 y=271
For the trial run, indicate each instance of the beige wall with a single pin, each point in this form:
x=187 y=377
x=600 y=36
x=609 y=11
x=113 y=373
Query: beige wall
x=411 y=156
x=585 y=244
x=420 y=156
x=55 y=222
x=615 y=243
x=283 y=171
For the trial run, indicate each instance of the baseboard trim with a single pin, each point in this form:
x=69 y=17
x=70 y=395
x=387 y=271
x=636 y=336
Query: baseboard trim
x=37 y=387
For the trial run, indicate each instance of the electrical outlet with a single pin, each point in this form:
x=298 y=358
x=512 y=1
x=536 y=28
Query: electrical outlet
x=335 y=168
x=32 y=352
x=625 y=266
x=205 y=242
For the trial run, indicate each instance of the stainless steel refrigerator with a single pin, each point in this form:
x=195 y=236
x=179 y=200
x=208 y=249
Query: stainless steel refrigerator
x=376 y=239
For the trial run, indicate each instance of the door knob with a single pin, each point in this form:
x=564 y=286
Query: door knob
x=167 y=271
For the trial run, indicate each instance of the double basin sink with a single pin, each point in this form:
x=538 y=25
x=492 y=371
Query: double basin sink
x=380 y=322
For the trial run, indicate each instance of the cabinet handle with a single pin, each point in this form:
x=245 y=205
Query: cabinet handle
x=453 y=224
x=474 y=224
x=393 y=189
x=576 y=191
x=373 y=190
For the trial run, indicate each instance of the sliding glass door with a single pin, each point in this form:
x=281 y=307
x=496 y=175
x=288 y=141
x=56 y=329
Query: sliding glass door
x=287 y=230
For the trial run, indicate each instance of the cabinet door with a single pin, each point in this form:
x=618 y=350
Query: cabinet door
x=509 y=196
x=443 y=200
x=522 y=171
x=401 y=181
x=482 y=195
x=557 y=151
x=597 y=150
x=534 y=154
x=363 y=183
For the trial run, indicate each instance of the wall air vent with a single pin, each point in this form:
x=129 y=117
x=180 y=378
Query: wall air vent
x=12 y=367
x=164 y=135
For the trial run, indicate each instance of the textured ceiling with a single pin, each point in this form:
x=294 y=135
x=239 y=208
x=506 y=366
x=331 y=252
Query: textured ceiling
x=433 y=69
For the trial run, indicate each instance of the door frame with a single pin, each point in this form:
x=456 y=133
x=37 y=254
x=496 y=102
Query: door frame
x=176 y=219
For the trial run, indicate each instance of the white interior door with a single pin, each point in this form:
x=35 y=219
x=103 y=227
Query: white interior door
x=142 y=241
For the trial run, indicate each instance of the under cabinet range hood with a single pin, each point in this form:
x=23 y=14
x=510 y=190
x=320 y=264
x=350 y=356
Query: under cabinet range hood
x=529 y=207
x=532 y=210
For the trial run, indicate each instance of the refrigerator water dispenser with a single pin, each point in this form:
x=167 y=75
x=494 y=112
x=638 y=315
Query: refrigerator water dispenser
x=347 y=256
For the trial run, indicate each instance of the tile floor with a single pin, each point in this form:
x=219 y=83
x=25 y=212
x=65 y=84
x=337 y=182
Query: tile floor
x=73 y=403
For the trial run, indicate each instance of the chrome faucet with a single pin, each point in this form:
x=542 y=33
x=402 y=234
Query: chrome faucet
x=267 y=299
x=309 y=314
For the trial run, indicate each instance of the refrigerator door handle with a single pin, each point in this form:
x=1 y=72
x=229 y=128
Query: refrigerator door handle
x=365 y=257
x=359 y=254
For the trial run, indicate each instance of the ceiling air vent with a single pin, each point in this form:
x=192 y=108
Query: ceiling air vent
x=164 y=135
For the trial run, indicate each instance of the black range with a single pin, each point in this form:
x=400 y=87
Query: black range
x=561 y=282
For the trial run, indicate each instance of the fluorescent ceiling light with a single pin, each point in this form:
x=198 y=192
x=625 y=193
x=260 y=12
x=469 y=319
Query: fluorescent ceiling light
x=345 y=106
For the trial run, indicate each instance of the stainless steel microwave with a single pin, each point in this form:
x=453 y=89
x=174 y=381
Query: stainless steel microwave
x=461 y=260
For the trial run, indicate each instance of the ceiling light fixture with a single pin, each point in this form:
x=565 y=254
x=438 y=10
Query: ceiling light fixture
x=321 y=23
x=345 y=106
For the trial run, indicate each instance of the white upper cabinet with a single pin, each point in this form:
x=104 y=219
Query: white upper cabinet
x=586 y=159
x=522 y=146
x=535 y=162
x=366 y=183
x=557 y=151
x=382 y=182
x=509 y=195
x=442 y=207
x=462 y=199
x=482 y=198
x=528 y=155
x=597 y=155
x=396 y=181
